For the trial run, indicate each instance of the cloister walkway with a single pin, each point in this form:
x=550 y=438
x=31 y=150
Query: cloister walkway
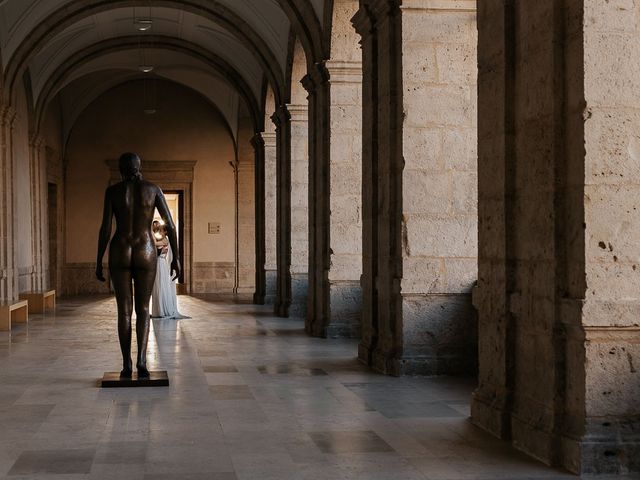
x=251 y=397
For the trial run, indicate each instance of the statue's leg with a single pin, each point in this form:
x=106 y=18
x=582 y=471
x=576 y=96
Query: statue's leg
x=143 y=279
x=121 y=278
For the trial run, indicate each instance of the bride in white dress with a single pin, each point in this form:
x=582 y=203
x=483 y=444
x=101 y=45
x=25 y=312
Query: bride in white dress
x=164 y=302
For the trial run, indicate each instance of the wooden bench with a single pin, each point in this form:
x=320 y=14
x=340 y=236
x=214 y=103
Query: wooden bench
x=13 y=312
x=39 y=302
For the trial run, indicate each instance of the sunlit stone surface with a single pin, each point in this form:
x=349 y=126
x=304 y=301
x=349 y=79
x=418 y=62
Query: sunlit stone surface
x=251 y=397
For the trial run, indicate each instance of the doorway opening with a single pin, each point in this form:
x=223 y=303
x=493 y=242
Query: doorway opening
x=175 y=202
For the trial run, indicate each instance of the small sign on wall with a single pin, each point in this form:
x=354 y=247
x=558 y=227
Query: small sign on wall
x=214 y=228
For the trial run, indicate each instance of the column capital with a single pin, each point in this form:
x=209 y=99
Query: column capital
x=316 y=77
x=8 y=116
x=299 y=112
x=363 y=21
x=345 y=72
x=257 y=141
x=281 y=116
x=269 y=139
x=380 y=9
x=36 y=140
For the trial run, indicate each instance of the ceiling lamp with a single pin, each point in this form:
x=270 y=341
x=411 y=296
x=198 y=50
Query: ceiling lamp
x=146 y=68
x=143 y=24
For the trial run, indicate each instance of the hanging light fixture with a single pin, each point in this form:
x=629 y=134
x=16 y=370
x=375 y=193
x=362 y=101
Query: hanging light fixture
x=142 y=24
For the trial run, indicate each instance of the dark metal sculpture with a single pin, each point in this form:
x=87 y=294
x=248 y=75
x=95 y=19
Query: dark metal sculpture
x=132 y=254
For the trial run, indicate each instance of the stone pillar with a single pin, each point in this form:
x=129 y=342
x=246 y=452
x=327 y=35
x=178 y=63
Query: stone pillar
x=8 y=272
x=299 y=209
x=316 y=82
x=39 y=221
x=246 y=211
x=558 y=295
x=260 y=292
x=282 y=119
x=345 y=292
x=420 y=195
x=270 y=219
x=363 y=23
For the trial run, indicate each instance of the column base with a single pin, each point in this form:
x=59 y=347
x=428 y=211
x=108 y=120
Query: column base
x=611 y=446
x=299 y=295
x=345 y=299
x=271 y=278
x=439 y=335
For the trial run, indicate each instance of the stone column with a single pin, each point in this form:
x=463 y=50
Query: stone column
x=419 y=154
x=246 y=210
x=316 y=82
x=260 y=292
x=270 y=219
x=558 y=289
x=299 y=209
x=8 y=272
x=282 y=119
x=363 y=23
x=39 y=221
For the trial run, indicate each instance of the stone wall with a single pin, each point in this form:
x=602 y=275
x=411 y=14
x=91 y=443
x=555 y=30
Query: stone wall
x=164 y=138
x=419 y=165
x=556 y=291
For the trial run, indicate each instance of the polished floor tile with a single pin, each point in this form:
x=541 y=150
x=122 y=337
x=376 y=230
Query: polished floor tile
x=252 y=397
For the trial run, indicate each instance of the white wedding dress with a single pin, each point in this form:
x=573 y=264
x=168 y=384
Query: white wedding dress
x=164 y=302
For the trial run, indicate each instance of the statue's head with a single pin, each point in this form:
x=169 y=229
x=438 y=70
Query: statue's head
x=129 y=164
x=155 y=226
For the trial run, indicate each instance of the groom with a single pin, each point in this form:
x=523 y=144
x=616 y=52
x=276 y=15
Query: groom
x=132 y=254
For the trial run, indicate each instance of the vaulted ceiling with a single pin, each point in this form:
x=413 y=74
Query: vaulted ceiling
x=75 y=50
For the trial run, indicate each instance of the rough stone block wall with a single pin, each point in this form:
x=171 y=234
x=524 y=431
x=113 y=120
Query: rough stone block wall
x=439 y=185
x=270 y=215
x=299 y=210
x=611 y=52
x=556 y=297
x=213 y=277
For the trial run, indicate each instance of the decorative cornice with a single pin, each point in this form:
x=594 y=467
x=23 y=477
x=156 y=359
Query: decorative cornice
x=345 y=72
x=440 y=5
x=270 y=140
x=299 y=112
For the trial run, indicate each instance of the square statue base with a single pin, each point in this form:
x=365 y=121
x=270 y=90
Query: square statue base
x=157 y=378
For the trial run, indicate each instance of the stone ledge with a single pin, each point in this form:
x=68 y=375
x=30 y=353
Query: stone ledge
x=440 y=5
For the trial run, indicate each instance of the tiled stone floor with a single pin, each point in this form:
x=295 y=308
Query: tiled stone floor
x=251 y=397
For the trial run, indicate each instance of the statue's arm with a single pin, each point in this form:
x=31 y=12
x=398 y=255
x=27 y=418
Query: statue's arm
x=165 y=214
x=105 y=233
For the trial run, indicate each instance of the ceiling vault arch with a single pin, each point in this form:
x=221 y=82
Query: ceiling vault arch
x=217 y=64
x=76 y=10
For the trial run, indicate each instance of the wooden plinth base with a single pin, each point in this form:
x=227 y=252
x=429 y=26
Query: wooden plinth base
x=114 y=380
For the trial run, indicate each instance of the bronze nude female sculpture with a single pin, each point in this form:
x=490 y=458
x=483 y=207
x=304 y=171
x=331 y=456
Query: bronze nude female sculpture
x=132 y=254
